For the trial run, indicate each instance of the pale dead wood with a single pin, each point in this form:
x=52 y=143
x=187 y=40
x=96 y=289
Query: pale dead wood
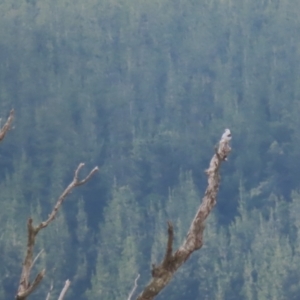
x=7 y=125
x=163 y=273
x=66 y=192
x=50 y=291
x=64 y=290
x=134 y=288
x=25 y=286
x=36 y=258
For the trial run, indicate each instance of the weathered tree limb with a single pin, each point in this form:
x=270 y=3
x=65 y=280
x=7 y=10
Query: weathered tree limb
x=64 y=290
x=134 y=288
x=7 y=125
x=66 y=192
x=162 y=274
x=25 y=287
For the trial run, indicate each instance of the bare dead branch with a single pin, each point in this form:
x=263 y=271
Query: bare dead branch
x=50 y=291
x=64 y=290
x=66 y=192
x=36 y=258
x=134 y=288
x=32 y=286
x=162 y=274
x=25 y=287
x=7 y=125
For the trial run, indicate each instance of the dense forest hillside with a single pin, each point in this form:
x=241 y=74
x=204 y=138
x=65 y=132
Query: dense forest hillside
x=144 y=89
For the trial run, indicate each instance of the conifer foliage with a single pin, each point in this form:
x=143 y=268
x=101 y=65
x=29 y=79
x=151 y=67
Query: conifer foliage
x=143 y=89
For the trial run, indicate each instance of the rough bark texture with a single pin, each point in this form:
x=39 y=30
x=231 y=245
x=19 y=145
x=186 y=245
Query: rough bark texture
x=25 y=286
x=163 y=273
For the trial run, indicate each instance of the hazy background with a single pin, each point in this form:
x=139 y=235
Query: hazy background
x=144 y=90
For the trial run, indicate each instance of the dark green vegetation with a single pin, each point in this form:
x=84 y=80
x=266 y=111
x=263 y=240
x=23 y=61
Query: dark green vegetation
x=144 y=89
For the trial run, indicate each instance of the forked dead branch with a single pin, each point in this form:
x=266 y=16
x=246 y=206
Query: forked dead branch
x=172 y=261
x=25 y=286
x=163 y=273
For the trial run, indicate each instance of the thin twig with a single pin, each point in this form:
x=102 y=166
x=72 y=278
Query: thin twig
x=66 y=192
x=134 y=288
x=36 y=258
x=7 y=125
x=64 y=290
x=50 y=290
